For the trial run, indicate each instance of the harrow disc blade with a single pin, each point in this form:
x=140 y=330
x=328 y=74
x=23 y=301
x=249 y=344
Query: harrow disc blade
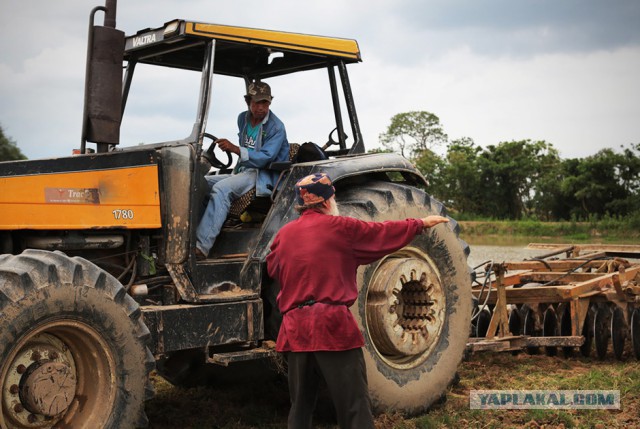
x=635 y=332
x=587 y=332
x=565 y=327
x=601 y=331
x=618 y=332
x=482 y=323
x=515 y=321
x=515 y=324
x=550 y=329
x=529 y=327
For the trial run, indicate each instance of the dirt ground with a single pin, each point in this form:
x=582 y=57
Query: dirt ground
x=264 y=404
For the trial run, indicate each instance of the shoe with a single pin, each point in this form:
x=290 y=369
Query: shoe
x=199 y=255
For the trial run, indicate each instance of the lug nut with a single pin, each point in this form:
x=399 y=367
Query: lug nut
x=13 y=389
x=53 y=355
x=18 y=408
x=32 y=418
x=21 y=369
x=35 y=356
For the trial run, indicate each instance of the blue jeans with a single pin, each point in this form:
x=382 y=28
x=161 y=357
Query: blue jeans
x=224 y=188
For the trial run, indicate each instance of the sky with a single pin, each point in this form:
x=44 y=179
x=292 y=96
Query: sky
x=563 y=71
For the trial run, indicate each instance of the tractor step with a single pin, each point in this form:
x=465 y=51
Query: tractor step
x=217 y=275
x=265 y=351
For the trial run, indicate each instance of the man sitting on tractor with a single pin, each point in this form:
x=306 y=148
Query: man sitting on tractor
x=262 y=140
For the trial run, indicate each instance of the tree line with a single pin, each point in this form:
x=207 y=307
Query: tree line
x=9 y=150
x=517 y=179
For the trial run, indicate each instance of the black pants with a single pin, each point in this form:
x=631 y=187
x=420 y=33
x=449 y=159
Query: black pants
x=345 y=375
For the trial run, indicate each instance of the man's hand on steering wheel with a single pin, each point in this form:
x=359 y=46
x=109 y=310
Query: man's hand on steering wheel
x=227 y=146
x=210 y=156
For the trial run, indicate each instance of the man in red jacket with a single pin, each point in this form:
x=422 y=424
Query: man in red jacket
x=315 y=258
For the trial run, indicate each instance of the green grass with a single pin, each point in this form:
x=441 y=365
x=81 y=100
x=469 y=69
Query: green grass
x=504 y=371
x=606 y=231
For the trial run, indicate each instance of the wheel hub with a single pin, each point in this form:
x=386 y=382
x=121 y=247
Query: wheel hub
x=40 y=384
x=48 y=388
x=405 y=309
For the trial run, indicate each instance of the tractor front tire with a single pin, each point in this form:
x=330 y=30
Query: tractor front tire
x=73 y=347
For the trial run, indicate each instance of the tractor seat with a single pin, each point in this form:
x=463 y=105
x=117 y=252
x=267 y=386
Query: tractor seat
x=249 y=202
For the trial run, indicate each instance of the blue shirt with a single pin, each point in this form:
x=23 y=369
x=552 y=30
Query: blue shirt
x=270 y=145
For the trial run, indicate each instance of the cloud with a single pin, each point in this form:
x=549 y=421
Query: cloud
x=548 y=97
x=526 y=27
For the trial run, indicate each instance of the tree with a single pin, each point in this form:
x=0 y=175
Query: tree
x=9 y=151
x=462 y=176
x=413 y=132
x=516 y=179
x=606 y=183
x=629 y=173
x=432 y=167
x=509 y=175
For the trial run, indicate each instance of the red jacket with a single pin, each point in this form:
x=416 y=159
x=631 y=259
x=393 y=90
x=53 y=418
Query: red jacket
x=315 y=258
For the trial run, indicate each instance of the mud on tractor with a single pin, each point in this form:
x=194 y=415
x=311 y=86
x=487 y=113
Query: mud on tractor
x=99 y=284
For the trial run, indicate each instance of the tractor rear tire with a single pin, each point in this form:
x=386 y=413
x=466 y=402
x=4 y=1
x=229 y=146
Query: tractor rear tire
x=73 y=347
x=414 y=306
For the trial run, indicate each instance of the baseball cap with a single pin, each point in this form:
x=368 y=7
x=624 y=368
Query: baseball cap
x=259 y=91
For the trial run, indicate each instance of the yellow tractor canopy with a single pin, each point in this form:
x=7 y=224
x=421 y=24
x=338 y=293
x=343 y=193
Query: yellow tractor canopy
x=240 y=51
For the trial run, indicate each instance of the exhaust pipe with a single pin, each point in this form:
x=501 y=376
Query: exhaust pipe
x=102 y=111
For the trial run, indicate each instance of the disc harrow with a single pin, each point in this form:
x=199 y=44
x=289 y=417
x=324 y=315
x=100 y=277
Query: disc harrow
x=578 y=297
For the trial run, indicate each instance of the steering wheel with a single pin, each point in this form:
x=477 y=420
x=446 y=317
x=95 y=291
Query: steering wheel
x=331 y=141
x=210 y=156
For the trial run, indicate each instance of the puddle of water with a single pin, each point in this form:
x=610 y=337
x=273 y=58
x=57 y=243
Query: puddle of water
x=509 y=248
x=483 y=252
